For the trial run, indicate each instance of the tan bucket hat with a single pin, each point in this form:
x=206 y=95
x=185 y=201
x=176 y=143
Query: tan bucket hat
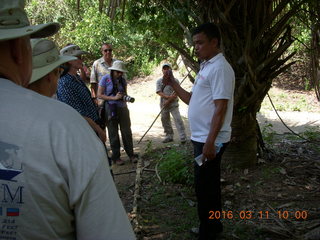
x=118 y=66
x=72 y=50
x=45 y=58
x=14 y=22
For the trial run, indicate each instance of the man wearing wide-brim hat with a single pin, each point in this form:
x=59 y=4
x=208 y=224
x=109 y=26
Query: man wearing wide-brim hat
x=15 y=30
x=46 y=67
x=54 y=182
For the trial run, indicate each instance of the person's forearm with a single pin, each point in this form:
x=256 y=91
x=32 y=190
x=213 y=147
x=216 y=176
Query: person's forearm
x=105 y=97
x=96 y=128
x=209 y=149
x=93 y=125
x=216 y=123
x=182 y=94
x=93 y=88
x=161 y=94
x=101 y=95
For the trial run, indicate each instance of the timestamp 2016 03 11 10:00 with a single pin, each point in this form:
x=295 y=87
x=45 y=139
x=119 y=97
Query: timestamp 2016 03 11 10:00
x=249 y=215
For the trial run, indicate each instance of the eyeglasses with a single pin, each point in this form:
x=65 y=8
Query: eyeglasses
x=107 y=50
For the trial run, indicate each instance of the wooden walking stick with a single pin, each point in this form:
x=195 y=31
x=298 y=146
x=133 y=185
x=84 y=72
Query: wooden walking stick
x=160 y=112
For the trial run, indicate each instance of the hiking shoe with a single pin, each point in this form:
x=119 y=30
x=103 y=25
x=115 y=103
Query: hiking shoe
x=167 y=140
x=118 y=162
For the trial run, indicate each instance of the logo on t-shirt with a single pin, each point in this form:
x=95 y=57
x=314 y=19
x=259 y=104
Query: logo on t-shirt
x=8 y=153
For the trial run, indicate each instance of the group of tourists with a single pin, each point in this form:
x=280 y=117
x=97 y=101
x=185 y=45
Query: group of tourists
x=54 y=167
x=55 y=180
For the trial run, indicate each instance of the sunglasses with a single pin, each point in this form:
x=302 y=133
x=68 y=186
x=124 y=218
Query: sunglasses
x=107 y=50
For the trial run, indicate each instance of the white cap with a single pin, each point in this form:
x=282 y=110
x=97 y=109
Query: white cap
x=166 y=65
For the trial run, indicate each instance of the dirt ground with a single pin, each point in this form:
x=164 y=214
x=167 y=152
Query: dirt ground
x=286 y=189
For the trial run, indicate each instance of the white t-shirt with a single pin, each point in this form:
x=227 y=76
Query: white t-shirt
x=55 y=181
x=215 y=80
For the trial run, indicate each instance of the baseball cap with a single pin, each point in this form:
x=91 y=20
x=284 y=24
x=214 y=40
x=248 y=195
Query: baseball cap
x=166 y=65
x=45 y=58
x=14 y=22
x=72 y=50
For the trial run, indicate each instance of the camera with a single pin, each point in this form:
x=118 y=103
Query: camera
x=127 y=98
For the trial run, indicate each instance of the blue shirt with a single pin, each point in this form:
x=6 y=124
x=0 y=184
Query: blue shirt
x=107 y=83
x=73 y=91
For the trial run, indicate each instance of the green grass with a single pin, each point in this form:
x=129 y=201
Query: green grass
x=290 y=101
x=312 y=133
x=169 y=211
x=176 y=166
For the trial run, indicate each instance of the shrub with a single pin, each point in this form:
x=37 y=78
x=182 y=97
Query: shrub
x=176 y=166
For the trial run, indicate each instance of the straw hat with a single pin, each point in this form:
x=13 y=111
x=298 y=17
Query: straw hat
x=14 y=22
x=118 y=66
x=45 y=58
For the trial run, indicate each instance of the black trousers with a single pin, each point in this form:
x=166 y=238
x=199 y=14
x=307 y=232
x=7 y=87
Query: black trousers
x=123 y=121
x=208 y=192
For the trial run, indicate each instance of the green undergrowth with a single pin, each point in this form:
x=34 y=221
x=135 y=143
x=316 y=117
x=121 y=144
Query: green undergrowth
x=175 y=166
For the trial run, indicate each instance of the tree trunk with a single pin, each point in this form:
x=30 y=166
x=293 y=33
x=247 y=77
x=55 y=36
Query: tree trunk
x=315 y=55
x=315 y=47
x=243 y=145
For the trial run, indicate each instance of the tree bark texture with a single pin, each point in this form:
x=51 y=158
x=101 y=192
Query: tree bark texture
x=315 y=47
x=242 y=152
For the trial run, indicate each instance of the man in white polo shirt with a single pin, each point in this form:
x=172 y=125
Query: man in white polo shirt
x=210 y=114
